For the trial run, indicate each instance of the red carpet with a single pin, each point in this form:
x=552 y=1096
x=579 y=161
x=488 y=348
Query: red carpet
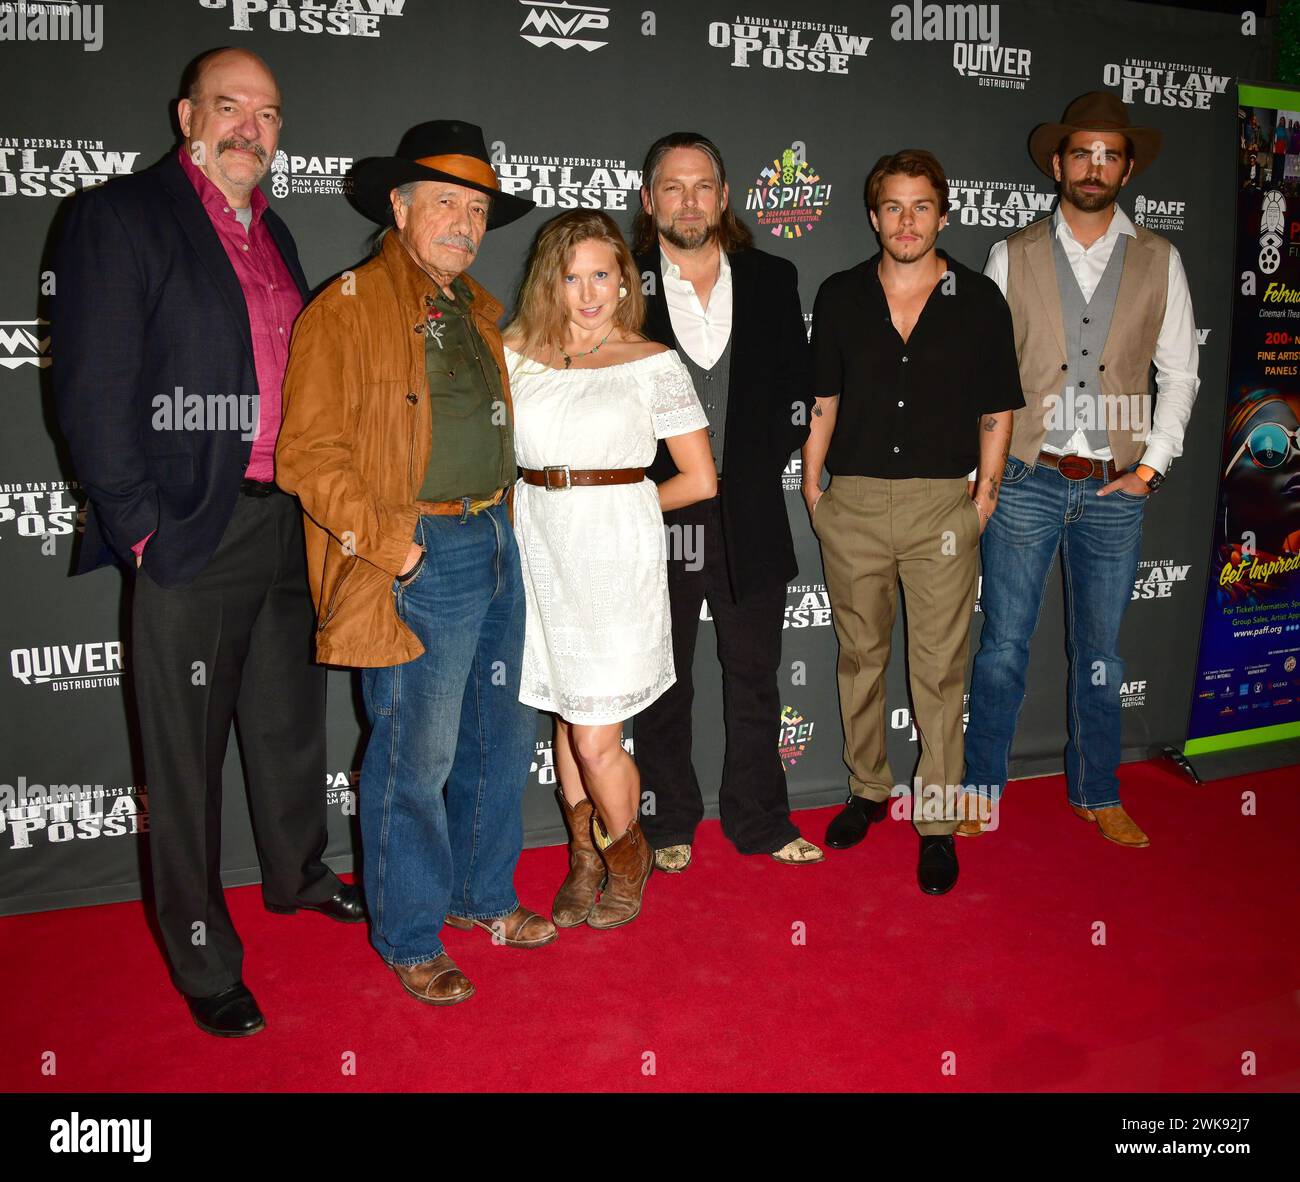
x=1200 y=965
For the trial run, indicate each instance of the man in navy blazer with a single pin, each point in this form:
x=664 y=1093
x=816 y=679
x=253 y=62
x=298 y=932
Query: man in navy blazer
x=177 y=291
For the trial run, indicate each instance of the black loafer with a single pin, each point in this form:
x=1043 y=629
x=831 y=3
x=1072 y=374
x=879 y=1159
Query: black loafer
x=232 y=1013
x=853 y=821
x=343 y=905
x=937 y=869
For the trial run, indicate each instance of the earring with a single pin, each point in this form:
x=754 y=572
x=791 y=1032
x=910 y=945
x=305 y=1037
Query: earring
x=622 y=293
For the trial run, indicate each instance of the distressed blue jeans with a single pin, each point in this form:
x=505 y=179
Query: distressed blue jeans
x=1039 y=513
x=443 y=776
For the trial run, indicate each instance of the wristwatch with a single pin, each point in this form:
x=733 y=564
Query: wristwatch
x=1152 y=478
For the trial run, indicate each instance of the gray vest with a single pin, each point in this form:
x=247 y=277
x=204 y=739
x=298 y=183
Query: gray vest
x=711 y=390
x=1087 y=325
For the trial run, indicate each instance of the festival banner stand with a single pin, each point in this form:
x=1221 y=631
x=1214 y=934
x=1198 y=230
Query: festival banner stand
x=1245 y=712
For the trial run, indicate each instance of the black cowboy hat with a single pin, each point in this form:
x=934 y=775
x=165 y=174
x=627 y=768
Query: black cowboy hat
x=440 y=150
x=1095 y=111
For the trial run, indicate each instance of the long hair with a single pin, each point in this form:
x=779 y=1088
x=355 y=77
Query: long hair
x=541 y=313
x=733 y=234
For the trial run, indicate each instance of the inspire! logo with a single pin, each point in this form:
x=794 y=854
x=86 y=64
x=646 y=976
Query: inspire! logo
x=789 y=197
x=794 y=736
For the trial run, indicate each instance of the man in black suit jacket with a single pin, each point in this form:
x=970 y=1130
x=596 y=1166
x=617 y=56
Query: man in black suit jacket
x=732 y=313
x=177 y=290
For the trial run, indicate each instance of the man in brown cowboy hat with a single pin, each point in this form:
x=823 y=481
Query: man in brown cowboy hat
x=397 y=438
x=1095 y=302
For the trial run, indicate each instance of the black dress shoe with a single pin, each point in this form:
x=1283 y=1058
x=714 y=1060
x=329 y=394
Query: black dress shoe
x=937 y=869
x=343 y=905
x=232 y=1013
x=851 y=825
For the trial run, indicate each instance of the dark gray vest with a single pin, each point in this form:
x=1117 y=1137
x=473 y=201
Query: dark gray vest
x=711 y=390
x=1087 y=325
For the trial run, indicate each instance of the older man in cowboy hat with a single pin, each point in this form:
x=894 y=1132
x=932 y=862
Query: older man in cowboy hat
x=1096 y=302
x=397 y=438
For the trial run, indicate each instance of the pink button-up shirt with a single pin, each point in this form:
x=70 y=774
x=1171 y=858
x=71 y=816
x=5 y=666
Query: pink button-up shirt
x=273 y=302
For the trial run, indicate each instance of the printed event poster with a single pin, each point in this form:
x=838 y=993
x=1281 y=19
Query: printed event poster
x=1248 y=676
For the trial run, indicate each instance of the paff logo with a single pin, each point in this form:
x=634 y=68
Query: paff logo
x=794 y=736
x=310 y=176
x=1164 y=84
x=57 y=167
x=789 y=197
x=1160 y=216
x=24 y=342
x=338 y=18
x=560 y=24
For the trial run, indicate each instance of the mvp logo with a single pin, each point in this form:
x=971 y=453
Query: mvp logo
x=555 y=25
x=19 y=339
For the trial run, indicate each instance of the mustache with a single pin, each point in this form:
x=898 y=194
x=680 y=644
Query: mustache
x=459 y=241
x=244 y=145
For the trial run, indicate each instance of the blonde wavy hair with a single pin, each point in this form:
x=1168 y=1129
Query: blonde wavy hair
x=541 y=313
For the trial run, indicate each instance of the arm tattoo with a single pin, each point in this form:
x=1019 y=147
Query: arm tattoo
x=990 y=423
x=817 y=410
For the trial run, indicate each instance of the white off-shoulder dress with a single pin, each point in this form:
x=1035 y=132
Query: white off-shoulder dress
x=598 y=643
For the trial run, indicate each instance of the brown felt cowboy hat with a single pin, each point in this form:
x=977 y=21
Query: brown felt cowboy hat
x=1095 y=111
x=440 y=150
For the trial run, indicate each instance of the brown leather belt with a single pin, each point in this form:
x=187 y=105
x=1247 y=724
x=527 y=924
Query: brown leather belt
x=558 y=477
x=1074 y=467
x=456 y=508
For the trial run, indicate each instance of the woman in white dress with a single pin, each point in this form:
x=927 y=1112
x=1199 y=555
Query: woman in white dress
x=591 y=398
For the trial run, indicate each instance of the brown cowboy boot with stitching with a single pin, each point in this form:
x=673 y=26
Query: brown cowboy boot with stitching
x=438 y=981
x=577 y=894
x=976 y=812
x=1115 y=825
x=628 y=863
x=520 y=929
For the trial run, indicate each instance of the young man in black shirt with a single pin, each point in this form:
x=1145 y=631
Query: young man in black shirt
x=914 y=369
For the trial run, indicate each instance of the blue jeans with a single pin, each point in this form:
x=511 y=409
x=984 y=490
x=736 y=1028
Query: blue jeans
x=443 y=776
x=1099 y=538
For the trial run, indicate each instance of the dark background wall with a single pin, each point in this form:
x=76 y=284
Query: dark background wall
x=571 y=125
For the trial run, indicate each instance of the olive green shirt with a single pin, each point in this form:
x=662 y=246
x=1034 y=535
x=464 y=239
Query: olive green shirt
x=473 y=451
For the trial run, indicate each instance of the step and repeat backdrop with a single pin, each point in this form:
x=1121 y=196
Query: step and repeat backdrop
x=801 y=95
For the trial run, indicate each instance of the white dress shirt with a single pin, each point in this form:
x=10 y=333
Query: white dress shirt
x=702 y=332
x=1176 y=359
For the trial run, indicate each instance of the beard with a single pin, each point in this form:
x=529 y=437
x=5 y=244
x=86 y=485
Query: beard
x=1090 y=202
x=689 y=237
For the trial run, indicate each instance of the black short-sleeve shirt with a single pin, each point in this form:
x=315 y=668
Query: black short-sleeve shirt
x=912 y=410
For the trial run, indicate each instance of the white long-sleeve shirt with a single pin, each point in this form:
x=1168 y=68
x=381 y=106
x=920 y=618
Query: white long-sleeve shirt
x=1176 y=359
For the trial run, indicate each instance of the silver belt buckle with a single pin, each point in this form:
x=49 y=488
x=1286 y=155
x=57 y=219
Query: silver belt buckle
x=557 y=468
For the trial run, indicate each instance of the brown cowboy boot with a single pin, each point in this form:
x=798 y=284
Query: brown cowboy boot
x=577 y=894
x=628 y=862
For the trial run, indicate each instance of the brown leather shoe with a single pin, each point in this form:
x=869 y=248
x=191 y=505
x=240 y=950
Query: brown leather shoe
x=976 y=812
x=438 y=981
x=1115 y=825
x=577 y=894
x=520 y=929
x=629 y=863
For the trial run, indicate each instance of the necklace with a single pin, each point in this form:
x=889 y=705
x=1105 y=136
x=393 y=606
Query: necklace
x=568 y=360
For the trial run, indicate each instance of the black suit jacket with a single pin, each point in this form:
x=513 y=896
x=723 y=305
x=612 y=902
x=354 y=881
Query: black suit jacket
x=769 y=397
x=146 y=301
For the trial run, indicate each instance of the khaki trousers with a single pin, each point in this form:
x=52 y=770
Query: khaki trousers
x=925 y=533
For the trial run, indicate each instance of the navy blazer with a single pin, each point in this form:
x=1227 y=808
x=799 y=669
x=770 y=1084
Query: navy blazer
x=769 y=397
x=146 y=301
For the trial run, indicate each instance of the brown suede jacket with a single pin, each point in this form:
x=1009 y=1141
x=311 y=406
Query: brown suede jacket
x=354 y=444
